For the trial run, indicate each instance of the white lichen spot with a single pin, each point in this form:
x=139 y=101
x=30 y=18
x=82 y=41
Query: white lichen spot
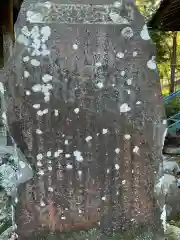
x=16 y=200
x=36 y=106
x=88 y=138
x=164 y=218
x=75 y=46
x=123 y=182
x=164 y=121
x=35 y=63
x=117 y=150
x=138 y=103
x=127 y=32
x=144 y=33
x=98 y=64
x=4 y=118
x=120 y=55
x=117 y=4
x=39 y=156
x=79 y=173
x=103 y=198
x=49 y=154
x=104 y=131
x=60 y=151
x=41 y=172
x=38 y=131
x=22 y=164
x=36 y=45
x=122 y=73
x=47 y=78
x=100 y=85
x=35 y=52
x=117 y=18
x=2 y=90
x=25 y=31
x=34 y=17
x=26 y=74
x=44 y=46
x=45 y=52
x=47 y=4
x=49 y=168
x=40 y=113
x=46 y=88
x=78 y=155
x=66 y=142
x=117 y=167
x=135 y=54
x=56 y=154
x=127 y=136
x=45 y=111
x=136 y=150
x=76 y=110
x=35 y=34
x=129 y=91
x=39 y=164
x=151 y=64
x=124 y=108
x=46 y=32
x=117 y=193
x=114 y=17
x=46 y=98
x=42 y=204
x=26 y=59
x=56 y=112
x=50 y=189
x=37 y=88
x=28 y=93
x=23 y=40
x=129 y=81
x=69 y=166
x=108 y=171
x=67 y=155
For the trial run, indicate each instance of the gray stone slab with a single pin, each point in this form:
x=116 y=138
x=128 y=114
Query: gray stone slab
x=84 y=87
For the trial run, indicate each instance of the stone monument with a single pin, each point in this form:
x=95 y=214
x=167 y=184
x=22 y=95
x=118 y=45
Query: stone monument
x=83 y=88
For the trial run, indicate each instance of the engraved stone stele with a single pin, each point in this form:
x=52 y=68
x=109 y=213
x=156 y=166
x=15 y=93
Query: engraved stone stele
x=83 y=85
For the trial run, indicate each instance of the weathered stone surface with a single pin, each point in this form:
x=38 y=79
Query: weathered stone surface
x=172 y=144
x=173 y=232
x=171 y=150
x=84 y=88
x=167 y=189
x=171 y=167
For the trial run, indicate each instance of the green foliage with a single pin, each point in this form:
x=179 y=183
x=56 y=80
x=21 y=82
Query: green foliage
x=163 y=41
x=147 y=7
x=173 y=107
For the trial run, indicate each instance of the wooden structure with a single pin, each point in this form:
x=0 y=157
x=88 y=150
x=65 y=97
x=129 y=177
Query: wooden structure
x=8 y=14
x=167 y=17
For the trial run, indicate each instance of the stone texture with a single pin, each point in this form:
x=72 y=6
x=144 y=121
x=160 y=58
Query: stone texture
x=83 y=88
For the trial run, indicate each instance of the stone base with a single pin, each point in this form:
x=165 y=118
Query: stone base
x=171 y=150
x=96 y=234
